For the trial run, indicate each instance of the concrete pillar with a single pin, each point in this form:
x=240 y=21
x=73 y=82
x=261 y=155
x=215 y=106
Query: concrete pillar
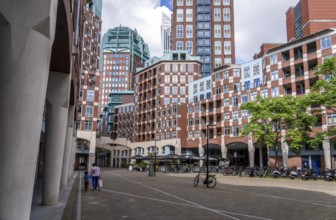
x=285 y=150
x=25 y=42
x=326 y=152
x=251 y=150
x=223 y=148
x=72 y=157
x=119 y=164
x=56 y=124
x=67 y=148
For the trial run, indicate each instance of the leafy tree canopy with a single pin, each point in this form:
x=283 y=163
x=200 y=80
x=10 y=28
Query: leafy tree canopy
x=282 y=117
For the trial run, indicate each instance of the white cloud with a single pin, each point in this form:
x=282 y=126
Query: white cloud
x=256 y=22
x=144 y=16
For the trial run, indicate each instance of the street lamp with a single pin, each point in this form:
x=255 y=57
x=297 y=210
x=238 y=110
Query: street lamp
x=207 y=158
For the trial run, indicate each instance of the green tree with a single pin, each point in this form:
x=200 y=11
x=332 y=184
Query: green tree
x=273 y=119
x=323 y=93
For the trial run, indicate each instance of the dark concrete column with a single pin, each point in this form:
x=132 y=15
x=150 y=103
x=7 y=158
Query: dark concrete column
x=56 y=126
x=26 y=41
x=67 y=148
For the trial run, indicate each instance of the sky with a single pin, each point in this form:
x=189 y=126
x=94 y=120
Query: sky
x=256 y=22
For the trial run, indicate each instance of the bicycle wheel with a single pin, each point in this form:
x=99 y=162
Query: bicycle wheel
x=212 y=181
x=196 y=180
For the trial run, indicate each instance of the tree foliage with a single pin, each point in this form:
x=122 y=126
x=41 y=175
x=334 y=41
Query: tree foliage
x=273 y=119
x=323 y=93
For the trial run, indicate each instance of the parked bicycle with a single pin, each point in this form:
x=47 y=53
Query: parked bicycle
x=210 y=182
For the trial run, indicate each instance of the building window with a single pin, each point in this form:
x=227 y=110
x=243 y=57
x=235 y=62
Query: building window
x=235 y=115
x=244 y=98
x=167 y=90
x=226 y=2
x=244 y=114
x=217 y=14
x=88 y=125
x=218 y=90
x=246 y=85
x=179 y=15
x=190 y=68
x=195 y=89
x=189 y=31
x=174 y=90
x=166 y=101
x=256 y=69
x=218 y=47
x=331 y=118
x=227 y=130
x=189 y=47
x=226 y=14
x=256 y=82
x=189 y=2
x=274 y=75
x=274 y=59
x=235 y=131
x=218 y=62
x=217 y=29
x=90 y=95
x=226 y=102
x=226 y=88
x=179 y=45
x=89 y=111
x=182 y=79
x=175 y=70
x=189 y=15
x=208 y=84
x=190 y=122
x=167 y=79
x=190 y=134
x=236 y=73
x=182 y=91
x=227 y=31
x=246 y=72
x=167 y=68
x=216 y=2
x=253 y=96
x=325 y=42
x=264 y=93
x=275 y=91
x=227 y=116
x=190 y=79
x=179 y=3
x=227 y=48
x=179 y=31
x=235 y=100
x=196 y=134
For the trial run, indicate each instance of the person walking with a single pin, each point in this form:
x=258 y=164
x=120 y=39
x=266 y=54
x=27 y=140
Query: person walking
x=95 y=174
x=86 y=180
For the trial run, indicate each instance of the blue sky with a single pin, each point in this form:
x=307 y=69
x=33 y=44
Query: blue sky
x=167 y=3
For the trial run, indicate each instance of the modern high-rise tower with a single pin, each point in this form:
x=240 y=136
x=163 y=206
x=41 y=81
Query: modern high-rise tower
x=166 y=34
x=309 y=17
x=123 y=50
x=205 y=28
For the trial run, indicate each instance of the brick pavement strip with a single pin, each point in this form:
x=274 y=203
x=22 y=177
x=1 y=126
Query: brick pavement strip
x=310 y=185
x=135 y=195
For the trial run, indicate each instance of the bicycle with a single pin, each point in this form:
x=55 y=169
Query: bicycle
x=211 y=182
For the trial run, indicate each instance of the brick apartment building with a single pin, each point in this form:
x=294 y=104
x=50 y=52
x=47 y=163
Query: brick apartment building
x=284 y=70
x=205 y=28
x=88 y=100
x=161 y=93
x=309 y=17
